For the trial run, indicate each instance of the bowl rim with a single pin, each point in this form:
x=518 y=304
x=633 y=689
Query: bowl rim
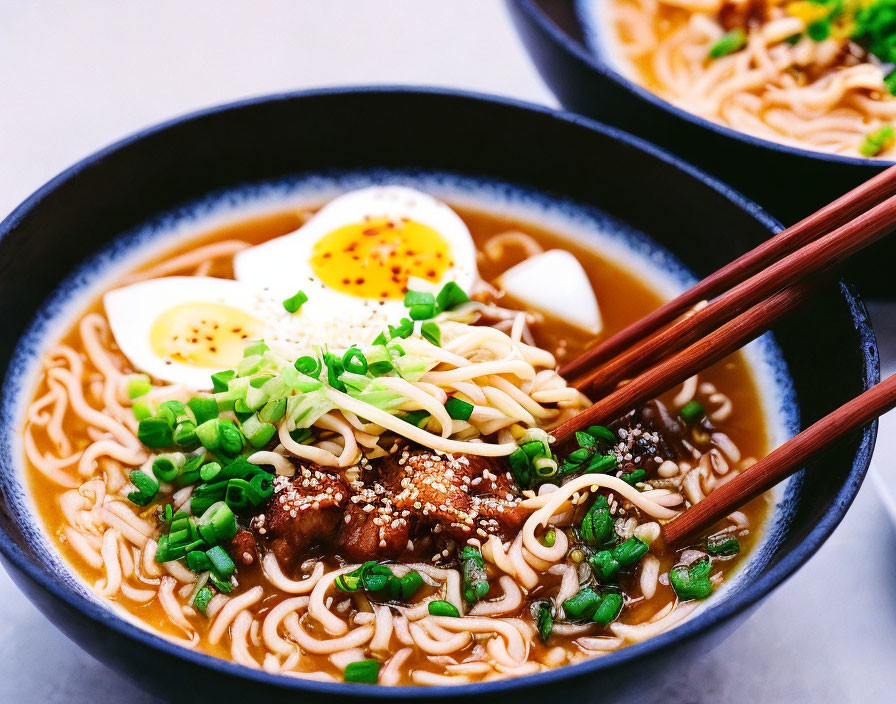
x=734 y=604
x=594 y=62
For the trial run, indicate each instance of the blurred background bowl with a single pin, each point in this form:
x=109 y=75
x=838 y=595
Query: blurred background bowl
x=560 y=158
x=787 y=181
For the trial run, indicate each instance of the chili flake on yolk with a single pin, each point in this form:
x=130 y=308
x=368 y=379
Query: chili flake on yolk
x=374 y=258
x=203 y=334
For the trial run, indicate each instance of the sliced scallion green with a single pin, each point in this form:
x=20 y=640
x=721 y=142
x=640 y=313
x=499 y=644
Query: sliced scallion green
x=293 y=303
x=138 y=385
x=735 y=40
x=458 y=409
x=431 y=333
x=443 y=608
x=363 y=671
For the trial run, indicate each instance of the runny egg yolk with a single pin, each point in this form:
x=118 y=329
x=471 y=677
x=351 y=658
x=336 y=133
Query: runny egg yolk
x=374 y=258
x=203 y=334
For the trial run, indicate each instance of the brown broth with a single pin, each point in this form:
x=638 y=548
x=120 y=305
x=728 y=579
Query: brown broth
x=623 y=297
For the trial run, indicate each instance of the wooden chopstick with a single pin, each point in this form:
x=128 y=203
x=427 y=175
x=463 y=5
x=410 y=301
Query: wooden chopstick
x=834 y=215
x=673 y=371
x=782 y=462
x=816 y=257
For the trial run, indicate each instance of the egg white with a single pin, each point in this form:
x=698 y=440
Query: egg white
x=282 y=266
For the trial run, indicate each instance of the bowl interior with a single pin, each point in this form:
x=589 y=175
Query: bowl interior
x=524 y=159
x=580 y=24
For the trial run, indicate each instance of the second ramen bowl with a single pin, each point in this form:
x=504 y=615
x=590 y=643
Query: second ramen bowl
x=556 y=159
x=788 y=181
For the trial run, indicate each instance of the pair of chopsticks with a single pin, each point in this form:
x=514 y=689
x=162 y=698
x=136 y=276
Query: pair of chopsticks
x=745 y=298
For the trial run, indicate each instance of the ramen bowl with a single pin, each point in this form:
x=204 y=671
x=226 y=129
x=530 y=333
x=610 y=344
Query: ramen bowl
x=789 y=181
x=589 y=179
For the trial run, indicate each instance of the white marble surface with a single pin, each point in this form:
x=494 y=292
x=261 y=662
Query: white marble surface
x=75 y=76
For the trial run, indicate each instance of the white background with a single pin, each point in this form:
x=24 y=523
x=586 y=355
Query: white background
x=75 y=76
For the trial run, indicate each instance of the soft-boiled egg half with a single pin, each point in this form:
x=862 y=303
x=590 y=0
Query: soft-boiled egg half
x=183 y=328
x=356 y=254
x=352 y=260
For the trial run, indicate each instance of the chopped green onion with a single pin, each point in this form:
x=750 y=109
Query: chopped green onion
x=138 y=385
x=363 y=671
x=172 y=412
x=600 y=464
x=354 y=361
x=451 y=296
x=146 y=486
x=443 y=608
x=203 y=596
x=308 y=365
x=273 y=411
x=544 y=620
x=198 y=561
x=185 y=435
x=735 y=40
x=142 y=410
x=221 y=520
x=549 y=538
x=167 y=466
x=890 y=82
x=692 y=411
x=334 y=370
x=223 y=586
x=422 y=312
x=258 y=347
x=416 y=417
x=722 y=545
x=203 y=408
x=189 y=473
x=585 y=440
x=403 y=330
x=380 y=368
x=579 y=455
x=601 y=433
x=691 y=582
x=407 y=585
x=629 y=552
x=878 y=141
x=418 y=298
x=293 y=303
x=819 y=30
x=582 y=604
x=220 y=380
x=597 y=525
x=634 y=477
x=209 y=471
x=257 y=432
x=221 y=562
x=302 y=435
x=609 y=609
x=475 y=580
x=606 y=567
x=457 y=409
x=431 y=333
x=155 y=433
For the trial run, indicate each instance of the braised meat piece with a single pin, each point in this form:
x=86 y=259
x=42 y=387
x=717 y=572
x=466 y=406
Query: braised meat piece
x=464 y=495
x=402 y=504
x=303 y=511
x=651 y=431
x=243 y=548
x=371 y=531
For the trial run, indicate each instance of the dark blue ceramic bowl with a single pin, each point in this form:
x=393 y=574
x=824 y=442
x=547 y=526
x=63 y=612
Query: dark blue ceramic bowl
x=789 y=182
x=589 y=173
